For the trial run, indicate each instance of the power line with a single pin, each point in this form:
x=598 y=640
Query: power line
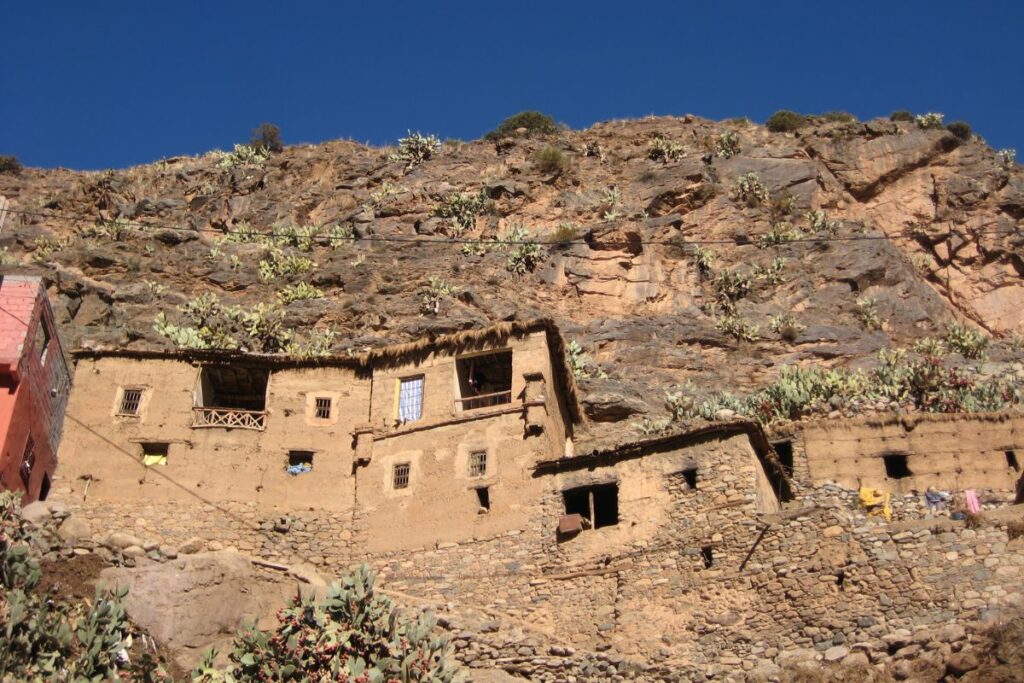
x=672 y=241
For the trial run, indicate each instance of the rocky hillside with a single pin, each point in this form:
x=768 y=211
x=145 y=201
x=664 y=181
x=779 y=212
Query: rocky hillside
x=677 y=252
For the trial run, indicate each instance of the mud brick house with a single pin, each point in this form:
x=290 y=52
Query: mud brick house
x=34 y=384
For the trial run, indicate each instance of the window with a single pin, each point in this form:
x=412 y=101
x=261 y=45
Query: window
x=784 y=449
x=896 y=466
x=707 y=553
x=597 y=504
x=484 y=380
x=130 y=401
x=323 y=407
x=410 y=399
x=483 y=497
x=1011 y=461
x=299 y=462
x=154 y=454
x=28 y=461
x=43 y=337
x=478 y=464
x=689 y=475
x=400 y=476
x=232 y=397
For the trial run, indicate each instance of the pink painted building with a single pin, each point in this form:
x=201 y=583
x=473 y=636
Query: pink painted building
x=34 y=385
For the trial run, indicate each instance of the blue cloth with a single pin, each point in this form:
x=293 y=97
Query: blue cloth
x=301 y=468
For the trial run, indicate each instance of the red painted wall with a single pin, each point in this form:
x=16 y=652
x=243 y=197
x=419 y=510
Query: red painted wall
x=33 y=385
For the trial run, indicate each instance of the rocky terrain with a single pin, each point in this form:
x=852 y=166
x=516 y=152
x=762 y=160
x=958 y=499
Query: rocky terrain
x=658 y=252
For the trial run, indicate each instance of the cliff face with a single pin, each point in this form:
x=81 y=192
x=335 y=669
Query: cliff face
x=923 y=224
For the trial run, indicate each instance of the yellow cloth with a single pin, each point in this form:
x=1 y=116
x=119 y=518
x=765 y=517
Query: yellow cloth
x=876 y=502
x=150 y=460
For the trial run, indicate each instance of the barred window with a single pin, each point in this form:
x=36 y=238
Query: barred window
x=478 y=464
x=130 y=400
x=410 y=399
x=400 y=478
x=323 y=407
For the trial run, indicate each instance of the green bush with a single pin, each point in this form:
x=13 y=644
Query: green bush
x=302 y=291
x=727 y=145
x=702 y=258
x=565 y=233
x=867 y=313
x=784 y=121
x=1007 y=158
x=461 y=209
x=901 y=115
x=737 y=327
x=267 y=137
x=243 y=155
x=437 y=290
x=929 y=121
x=664 y=150
x=415 y=149
x=961 y=129
x=10 y=164
x=751 y=191
x=967 y=341
x=532 y=123
x=839 y=116
x=551 y=161
x=353 y=633
x=210 y=325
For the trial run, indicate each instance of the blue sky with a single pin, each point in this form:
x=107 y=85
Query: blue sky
x=109 y=84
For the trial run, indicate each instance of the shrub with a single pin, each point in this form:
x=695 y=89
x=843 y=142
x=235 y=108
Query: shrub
x=352 y=633
x=786 y=326
x=929 y=121
x=727 y=145
x=961 y=129
x=267 y=137
x=302 y=291
x=525 y=255
x=279 y=263
x=302 y=237
x=582 y=366
x=243 y=155
x=736 y=326
x=437 y=289
x=551 y=161
x=867 y=313
x=780 y=233
x=731 y=286
x=929 y=346
x=10 y=164
x=117 y=230
x=565 y=233
x=702 y=258
x=820 y=223
x=460 y=210
x=415 y=149
x=526 y=123
x=770 y=274
x=901 y=115
x=664 y=150
x=784 y=121
x=839 y=116
x=1007 y=158
x=751 y=190
x=341 y=235
x=210 y=325
x=967 y=341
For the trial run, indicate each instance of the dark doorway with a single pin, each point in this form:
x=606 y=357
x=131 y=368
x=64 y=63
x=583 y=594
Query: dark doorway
x=896 y=466
x=707 y=553
x=484 y=380
x=1011 y=461
x=784 y=449
x=483 y=497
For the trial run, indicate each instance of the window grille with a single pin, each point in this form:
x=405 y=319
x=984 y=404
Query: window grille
x=323 y=408
x=410 y=399
x=130 y=400
x=28 y=461
x=401 y=475
x=478 y=464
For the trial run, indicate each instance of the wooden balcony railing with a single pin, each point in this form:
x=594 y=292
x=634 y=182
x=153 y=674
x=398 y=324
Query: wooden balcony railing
x=229 y=418
x=483 y=400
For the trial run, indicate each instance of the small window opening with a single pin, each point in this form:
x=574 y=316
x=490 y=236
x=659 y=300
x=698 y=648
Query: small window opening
x=299 y=462
x=896 y=466
x=478 y=464
x=597 y=504
x=323 y=407
x=400 y=475
x=44 y=488
x=410 y=399
x=784 y=449
x=484 y=380
x=131 y=399
x=483 y=497
x=690 y=476
x=707 y=554
x=154 y=454
x=43 y=337
x=28 y=462
x=840 y=579
x=1011 y=461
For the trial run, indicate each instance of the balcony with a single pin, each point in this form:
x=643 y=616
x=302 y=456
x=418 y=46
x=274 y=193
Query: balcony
x=229 y=418
x=483 y=400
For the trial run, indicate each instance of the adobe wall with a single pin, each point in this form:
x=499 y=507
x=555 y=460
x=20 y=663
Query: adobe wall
x=950 y=452
x=103 y=450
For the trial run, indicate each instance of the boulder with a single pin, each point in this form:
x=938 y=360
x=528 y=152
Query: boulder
x=120 y=540
x=73 y=530
x=36 y=513
x=961 y=662
x=191 y=546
